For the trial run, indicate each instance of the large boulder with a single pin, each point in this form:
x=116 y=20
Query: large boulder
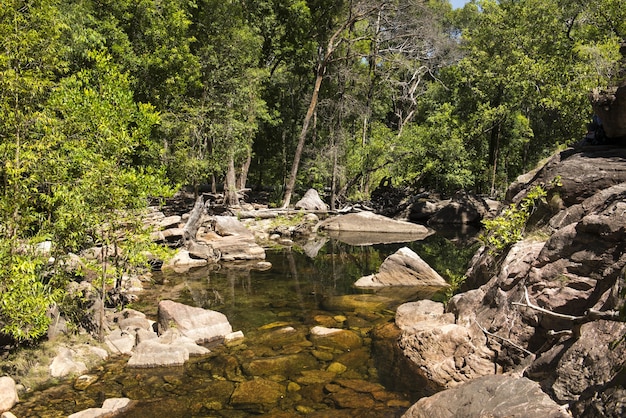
x=201 y=325
x=445 y=354
x=311 y=201
x=489 y=396
x=367 y=228
x=403 y=268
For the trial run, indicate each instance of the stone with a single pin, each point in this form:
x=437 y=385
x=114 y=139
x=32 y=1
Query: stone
x=183 y=262
x=110 y=407
x=120 y=342
x=447 y=355
x=489 y=396
x=258 y=395
x=8 y=393
x=168 y=236
x=365 y=302
x=230 y=226
x=170 y=222
x=370 y=222
x=335 y=338
x=238 y=247
x=311 y=201
x=403 y=268
x=423 y=314
x=201 y=325
x=170 y=349
x=65 y=364
x=84 y=381
x=284 y=365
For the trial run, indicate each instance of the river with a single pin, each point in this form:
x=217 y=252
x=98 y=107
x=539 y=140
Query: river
x=277 y=370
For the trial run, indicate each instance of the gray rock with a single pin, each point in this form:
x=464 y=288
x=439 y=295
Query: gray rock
x=182 y=262
x=65 y=363
x=238 y=247
x=489 y=396
x=311 y=201
x=170 y=222
x=229 y=225
x=8 y=393
x=201 y=325
x=110 y=407
x=370 y=222
x=403 y=268
x=170 y=349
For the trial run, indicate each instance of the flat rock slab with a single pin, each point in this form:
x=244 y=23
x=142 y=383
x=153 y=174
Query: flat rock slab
x=489 y=396
x=201 y=325
x=370 y=222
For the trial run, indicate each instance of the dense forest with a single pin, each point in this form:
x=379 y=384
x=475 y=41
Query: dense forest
x=104 y=103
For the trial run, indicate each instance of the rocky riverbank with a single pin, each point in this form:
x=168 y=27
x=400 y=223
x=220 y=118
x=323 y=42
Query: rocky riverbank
x=537 y=331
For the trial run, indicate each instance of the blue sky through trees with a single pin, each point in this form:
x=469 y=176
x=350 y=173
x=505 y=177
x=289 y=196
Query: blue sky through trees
x=458 y=3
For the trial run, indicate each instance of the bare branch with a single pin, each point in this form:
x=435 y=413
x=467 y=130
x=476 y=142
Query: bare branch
x=519 y=347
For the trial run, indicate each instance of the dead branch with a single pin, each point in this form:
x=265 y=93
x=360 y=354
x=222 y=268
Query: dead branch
x=519 y=347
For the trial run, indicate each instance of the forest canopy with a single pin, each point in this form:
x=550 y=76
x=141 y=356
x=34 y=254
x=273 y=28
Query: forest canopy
x=104 y=103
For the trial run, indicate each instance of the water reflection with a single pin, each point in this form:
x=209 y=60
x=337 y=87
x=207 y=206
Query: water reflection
x=281 y=368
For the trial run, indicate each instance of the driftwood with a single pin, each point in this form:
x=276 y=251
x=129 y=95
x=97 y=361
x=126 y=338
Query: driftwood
x=193 y=223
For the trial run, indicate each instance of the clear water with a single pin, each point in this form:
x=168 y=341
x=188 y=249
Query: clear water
x=313 y=379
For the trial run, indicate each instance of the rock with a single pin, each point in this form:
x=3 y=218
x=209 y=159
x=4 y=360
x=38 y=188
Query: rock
x=110 y=407
x=446 y=354
x=182 y=262
x=238 y=247
x=370 y=222
x=489 y=396
x=258 y=395
x=403 y=268
x=170 y=222
x=170 y=349
x=365 y=302
x=422 y=314
x=201 y=325
x=229 y=226
x=284 y=365
x=8 y=393
x=120 y=342
x=84 y=381
x=311 y=201
x=65 y=363
x=168 y=236
x=335 y=338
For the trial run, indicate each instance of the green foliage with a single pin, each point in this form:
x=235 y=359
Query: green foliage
x=24 y=295
x=508 y=227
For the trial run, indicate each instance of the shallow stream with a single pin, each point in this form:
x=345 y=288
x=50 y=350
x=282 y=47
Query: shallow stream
x=278 y=370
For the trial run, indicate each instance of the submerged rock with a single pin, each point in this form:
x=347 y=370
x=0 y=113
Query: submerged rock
x=258 y=395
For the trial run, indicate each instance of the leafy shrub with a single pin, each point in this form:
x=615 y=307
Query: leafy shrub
x=508 y=228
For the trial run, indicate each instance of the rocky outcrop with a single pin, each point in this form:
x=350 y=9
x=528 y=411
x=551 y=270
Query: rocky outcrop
x=547 y=307
x=489 y=396
x=403 y=268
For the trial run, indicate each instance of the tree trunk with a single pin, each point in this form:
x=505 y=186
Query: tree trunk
x=291 y=182
x=243 y=175
x=230 y=185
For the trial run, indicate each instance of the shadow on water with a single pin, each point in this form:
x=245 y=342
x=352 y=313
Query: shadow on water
x=280 y=369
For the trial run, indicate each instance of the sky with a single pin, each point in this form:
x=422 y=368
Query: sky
x=458 y=3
